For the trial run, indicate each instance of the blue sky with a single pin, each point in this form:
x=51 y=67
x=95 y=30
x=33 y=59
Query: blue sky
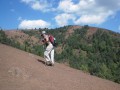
x=57 y=13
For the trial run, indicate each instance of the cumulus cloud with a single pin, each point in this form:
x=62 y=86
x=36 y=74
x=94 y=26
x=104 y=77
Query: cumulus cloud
x=30 y=24
x=41 y=5
x=89 y=11
x=82 y=12
x=62 y=19
x=92 y=19
x=67 y=6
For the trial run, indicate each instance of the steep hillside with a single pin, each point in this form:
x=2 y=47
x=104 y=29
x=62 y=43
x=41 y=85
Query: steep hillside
x=93 y=50
x=20 y=70
x=21 y=37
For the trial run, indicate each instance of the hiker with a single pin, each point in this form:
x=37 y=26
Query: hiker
x=49 y=49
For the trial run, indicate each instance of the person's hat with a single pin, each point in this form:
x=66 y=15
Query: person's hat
x=43 y=32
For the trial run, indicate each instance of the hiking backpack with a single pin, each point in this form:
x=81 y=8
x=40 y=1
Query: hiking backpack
x=52 y=39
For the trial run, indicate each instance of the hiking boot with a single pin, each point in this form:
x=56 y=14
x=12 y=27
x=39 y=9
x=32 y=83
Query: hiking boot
x=48 y=63
x=52 y=64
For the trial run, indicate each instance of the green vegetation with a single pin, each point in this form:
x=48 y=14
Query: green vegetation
x=97 y=54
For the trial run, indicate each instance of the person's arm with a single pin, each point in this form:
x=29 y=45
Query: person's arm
x=45 y=40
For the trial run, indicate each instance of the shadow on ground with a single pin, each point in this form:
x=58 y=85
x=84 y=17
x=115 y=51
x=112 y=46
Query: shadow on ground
x=41 y=61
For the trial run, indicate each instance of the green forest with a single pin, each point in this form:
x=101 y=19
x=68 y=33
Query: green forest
x=98 y=54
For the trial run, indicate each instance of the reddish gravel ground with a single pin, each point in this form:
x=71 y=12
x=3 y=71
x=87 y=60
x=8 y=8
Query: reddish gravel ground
x=20 y=70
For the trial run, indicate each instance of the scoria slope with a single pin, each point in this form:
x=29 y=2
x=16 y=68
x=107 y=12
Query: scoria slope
x=20 y=70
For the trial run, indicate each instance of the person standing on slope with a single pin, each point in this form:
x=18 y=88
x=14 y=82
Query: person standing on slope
x=49 y=50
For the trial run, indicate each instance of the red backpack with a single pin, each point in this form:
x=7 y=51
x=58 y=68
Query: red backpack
x=52 y=40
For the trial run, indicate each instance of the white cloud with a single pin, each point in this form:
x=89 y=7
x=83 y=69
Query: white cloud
x=63 y=19
x=90 y=11
x=67 y=6
x=41 y=5
x=82 y=12
x=93 y=19
x=29 y=24
x=37 y=6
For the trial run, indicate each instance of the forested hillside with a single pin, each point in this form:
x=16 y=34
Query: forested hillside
x=93 y=50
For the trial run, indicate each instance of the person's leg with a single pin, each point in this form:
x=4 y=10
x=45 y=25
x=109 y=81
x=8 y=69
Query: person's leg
x=46 y=56
x=52 y=56
x=47 y=53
